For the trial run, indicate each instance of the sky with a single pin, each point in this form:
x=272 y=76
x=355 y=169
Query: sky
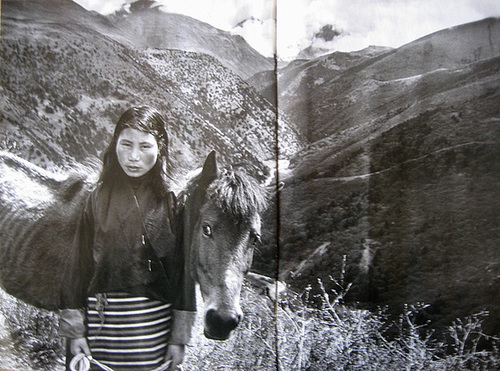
x=359 y=23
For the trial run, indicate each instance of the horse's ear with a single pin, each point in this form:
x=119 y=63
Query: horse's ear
x=209 y=172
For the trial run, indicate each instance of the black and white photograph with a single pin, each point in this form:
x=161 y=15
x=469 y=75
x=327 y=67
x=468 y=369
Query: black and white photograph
x=249 y=185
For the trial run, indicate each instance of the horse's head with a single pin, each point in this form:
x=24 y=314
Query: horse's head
x=222 y=224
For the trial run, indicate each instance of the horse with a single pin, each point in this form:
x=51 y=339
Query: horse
x=39 y=211
x=222 y=225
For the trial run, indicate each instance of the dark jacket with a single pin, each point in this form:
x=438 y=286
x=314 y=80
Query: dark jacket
x=128 y=240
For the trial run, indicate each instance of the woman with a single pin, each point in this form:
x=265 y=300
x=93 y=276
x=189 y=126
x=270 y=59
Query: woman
x=129 y=305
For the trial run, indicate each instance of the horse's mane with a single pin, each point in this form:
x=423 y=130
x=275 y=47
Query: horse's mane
x=234 y=192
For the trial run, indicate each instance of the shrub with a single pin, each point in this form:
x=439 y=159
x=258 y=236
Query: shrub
x=287 y=334
x=290 y=334
x=69 y=99
x=33 y=334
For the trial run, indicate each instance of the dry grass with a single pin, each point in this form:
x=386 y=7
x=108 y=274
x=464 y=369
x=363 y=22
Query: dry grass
x=283 y=335
x=29 y=338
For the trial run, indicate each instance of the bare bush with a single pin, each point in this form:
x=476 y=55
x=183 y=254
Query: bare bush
x=284 y=334
x=30 y=337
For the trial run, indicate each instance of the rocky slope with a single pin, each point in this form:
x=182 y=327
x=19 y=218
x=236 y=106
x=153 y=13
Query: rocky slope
x=146 y=26
x=66 y=78
x=400 y=172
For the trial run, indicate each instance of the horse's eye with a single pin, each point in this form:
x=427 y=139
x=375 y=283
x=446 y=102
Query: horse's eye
x=255 y=238
x=207 y=230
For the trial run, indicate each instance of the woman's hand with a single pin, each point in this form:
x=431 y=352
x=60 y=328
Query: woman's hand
x=175 y=353
x=79 y=345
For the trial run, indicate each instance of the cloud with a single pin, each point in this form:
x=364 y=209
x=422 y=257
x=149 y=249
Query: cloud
x=222 y=14
x=376 y=22
x=361 y=22
x=103 y=7
x=260 y=34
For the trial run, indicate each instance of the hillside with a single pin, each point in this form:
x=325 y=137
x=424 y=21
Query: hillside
x=340 y=90
x=146 y=26
x=299 y=77
x=400 y=175
x=392 y=153
x=53 y=116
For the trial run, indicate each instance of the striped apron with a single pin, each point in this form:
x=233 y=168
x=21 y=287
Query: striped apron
x=126 y=332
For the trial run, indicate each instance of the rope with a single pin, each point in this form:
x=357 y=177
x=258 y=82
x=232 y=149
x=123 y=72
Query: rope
x=81 y=362
x=99 y=364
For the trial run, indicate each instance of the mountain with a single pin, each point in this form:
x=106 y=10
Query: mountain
x=321 y=43
x=297 y=78
x=392 y=154
x=248 y=21
x=146 y=26
x=400 y=175
x=386 y=76
x=67 y=75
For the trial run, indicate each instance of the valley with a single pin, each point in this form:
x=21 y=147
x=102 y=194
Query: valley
x=390 y=156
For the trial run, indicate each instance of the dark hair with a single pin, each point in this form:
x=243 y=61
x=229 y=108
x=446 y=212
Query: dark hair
x=147 y=120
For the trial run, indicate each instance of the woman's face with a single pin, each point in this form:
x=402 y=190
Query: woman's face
x=136 y=151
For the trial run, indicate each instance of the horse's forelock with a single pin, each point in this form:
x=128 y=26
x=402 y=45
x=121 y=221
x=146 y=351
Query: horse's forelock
x=238 y=194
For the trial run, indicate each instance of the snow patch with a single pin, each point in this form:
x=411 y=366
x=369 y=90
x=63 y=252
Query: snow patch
x=284 y=171
x=320 y=251
x=319 y=81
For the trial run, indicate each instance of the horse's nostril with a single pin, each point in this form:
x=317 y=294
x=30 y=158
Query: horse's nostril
x=221 y=323
x=223 y=318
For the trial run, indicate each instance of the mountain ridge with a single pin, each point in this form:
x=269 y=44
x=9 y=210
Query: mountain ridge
x=392 y=152
x=55 y=116
x=399 y=178
x=150 y=27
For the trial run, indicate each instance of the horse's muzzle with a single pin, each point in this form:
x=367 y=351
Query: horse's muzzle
x=219 y=324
